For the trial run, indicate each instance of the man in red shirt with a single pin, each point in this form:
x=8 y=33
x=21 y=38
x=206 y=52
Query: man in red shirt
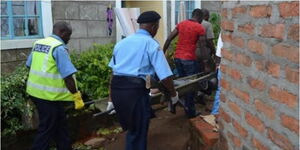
x=188 y=31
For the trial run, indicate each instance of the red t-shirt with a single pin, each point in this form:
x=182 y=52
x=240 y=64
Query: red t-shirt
x=188 y=34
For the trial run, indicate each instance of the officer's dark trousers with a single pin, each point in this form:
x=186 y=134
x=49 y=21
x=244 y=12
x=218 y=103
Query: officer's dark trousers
x=52 y=125
x=132 y=103
x=186 y=68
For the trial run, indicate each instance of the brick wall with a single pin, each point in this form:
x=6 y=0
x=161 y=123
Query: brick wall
x=260 y=82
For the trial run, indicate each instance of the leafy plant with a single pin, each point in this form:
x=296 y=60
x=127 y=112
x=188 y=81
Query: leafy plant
x=170 y=53
x=93 y=78
x=13 y=100
x=93 y=74
x=215 y=20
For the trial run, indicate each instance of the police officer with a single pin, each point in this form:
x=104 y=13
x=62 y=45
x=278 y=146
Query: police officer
x=133 y=58
x=50 y=83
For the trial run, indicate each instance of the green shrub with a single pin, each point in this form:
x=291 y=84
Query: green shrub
x=13 y=100
x=215 y=21
x=170 y=53
x=93 y=79
x=93 y=74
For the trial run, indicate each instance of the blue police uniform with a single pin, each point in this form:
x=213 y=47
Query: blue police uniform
x=52 y=116
x=133 y=58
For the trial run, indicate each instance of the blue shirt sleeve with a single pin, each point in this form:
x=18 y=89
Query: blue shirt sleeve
x=159 y=62
x=29 y=60
x=63 y=61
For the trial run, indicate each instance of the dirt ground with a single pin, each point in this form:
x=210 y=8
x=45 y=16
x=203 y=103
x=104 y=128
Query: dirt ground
x=167 y=131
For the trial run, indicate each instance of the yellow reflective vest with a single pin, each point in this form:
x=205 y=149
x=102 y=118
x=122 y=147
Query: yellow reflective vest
x=45 y=81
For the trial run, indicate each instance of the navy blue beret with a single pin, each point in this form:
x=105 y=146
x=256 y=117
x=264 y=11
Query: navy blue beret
x=148 y=17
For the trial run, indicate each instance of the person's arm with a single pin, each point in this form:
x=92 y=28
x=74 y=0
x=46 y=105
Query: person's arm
x=162 y=68
x=173 y=34
x=70 y=83
x=210 y=45
x=218 y=61
x=65 y=67
x=66 y=70
x=29 y=60
x=168 y=83
x=201 y=41
x=210 y=37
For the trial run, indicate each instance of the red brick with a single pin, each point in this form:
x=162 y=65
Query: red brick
x=241 y=95
x=238 y=10
x=227 y=25
x=273 y=69
x=259 y=145
x=280 y=140
x=223 y=98
x=235 y=74
x=289 y=9
x=224 y=13
x=227 y=54
x=247 y=28
x=292 y=75
x=260 y=65
x=260 y=11
x=226 y=38
x=294 y=32
x=255 y=122
x=283 y=96
x=243 y=59
x=242 y=131
x=224 y=116
x=204 y=131
x=224 y=68
x=264 y=108
x=290 y=123
x=255 y=83
x=238 y=41
x=286 y=51
x=235 y=140
x=273 y=31
x=225 y=85
x=256 y=47
x=235 y=108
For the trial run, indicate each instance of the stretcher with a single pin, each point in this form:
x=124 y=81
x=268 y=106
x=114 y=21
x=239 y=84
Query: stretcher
x=184 y=85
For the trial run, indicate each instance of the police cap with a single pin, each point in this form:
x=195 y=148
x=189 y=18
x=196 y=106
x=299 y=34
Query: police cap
x=148 y=17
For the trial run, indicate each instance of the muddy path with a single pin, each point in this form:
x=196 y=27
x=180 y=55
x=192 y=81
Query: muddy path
x=167 y=131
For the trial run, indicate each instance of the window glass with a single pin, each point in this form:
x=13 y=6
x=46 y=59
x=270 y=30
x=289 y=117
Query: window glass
x=33 y=26
x=18 y=7
x=32 y=8
x=21 y=19
x=19 y=26
x=3 y=8
x=4 y=27
x=189 y=7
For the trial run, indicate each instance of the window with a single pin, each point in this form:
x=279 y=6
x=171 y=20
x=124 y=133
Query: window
x=189 y=7
x=21 y=20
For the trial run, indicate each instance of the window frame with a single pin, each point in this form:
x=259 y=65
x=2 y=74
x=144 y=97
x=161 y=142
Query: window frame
x=188 y=11
x=47 y=23
x=173 y=23
x=11 y=17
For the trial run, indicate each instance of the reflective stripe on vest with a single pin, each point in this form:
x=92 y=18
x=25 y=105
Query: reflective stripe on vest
x=45 y=74
x=47 y=88
x=45 y=81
